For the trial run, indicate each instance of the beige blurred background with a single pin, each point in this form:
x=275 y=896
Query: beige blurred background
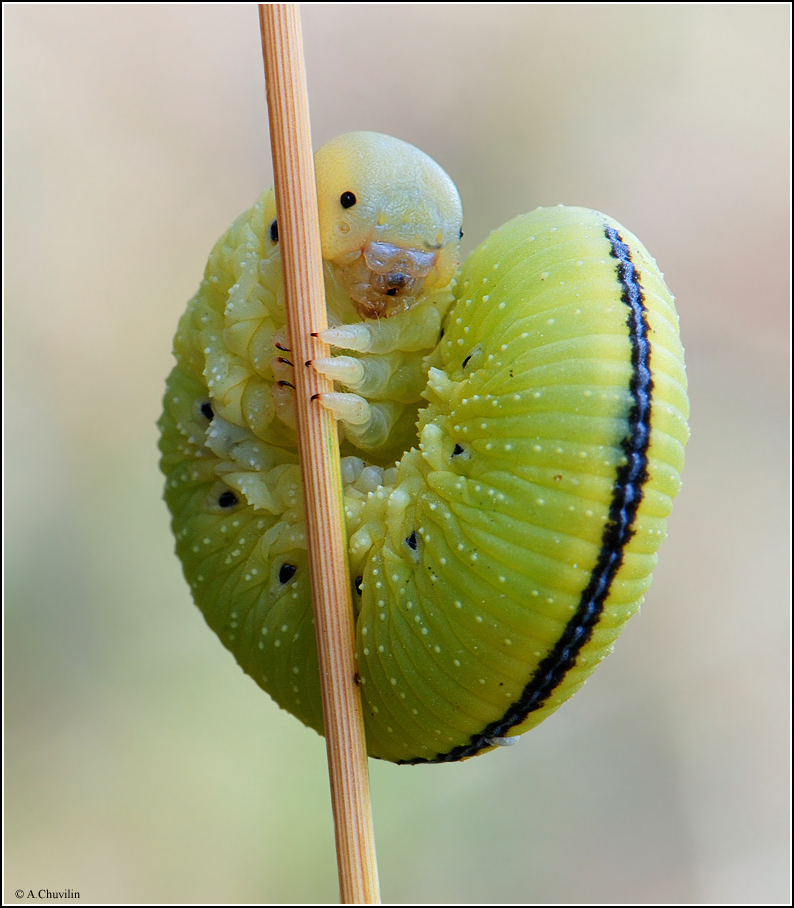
x=141 y=765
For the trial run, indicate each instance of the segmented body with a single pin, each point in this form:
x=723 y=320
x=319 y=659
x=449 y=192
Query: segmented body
x=504 y=503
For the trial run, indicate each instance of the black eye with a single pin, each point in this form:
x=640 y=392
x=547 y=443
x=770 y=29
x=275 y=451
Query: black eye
x=274 y=231
x=461 y=232
x=286 y=572
x=206 y=410
x=347 y=199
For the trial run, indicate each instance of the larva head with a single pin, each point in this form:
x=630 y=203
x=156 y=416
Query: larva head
x=390 y=221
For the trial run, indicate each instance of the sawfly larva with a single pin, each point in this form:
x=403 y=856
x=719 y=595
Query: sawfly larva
x=513 y=435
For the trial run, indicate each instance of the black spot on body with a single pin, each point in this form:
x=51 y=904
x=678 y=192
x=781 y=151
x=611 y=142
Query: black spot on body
x=465 y=362
x=286 y=573
x=227 y=499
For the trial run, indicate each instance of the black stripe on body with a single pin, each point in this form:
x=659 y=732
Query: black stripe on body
x=627 y=493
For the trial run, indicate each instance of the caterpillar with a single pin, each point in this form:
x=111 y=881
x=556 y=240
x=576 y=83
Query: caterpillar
x=512 y=434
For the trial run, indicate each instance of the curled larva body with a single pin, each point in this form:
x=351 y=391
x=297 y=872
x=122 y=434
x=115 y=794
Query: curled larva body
x=548 y=460
x=506 y=484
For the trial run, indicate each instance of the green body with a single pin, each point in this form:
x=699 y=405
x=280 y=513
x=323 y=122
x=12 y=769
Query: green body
x=474 y=537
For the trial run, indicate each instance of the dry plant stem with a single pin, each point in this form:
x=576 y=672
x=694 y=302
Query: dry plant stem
x=298 y=228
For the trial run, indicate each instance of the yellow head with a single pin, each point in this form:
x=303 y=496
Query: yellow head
x=390 y=221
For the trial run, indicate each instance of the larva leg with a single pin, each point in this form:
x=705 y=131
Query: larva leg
x=367 y=424
x=389 y=373
x=389 y=376
x=345 y=369
x=415 y=329
x=390 y=369
x=351 y=409
x=284 y=402
x=348 y=337
x=281 y=341
x=283 y=390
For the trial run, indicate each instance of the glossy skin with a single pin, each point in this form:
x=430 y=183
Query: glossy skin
x=498 y=539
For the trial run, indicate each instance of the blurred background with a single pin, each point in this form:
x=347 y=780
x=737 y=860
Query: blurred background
x=141 y=765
